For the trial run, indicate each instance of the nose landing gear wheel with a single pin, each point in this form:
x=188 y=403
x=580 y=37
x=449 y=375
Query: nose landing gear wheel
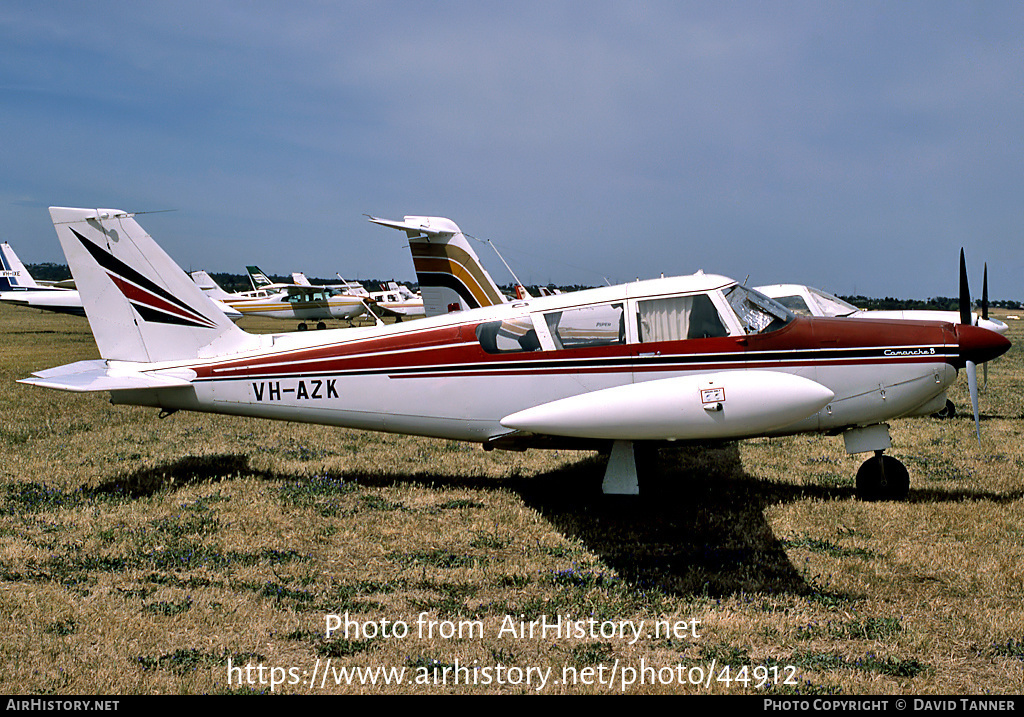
x=947 y=411
x=883 y=478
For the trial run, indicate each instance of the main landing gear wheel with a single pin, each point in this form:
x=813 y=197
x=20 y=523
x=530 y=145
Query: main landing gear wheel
x=303 y=327
x=321 y=326
x=883 y=478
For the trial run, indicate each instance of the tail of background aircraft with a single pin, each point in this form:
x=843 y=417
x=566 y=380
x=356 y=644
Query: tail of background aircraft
x=141 y=305
x=450 y=275
x=210 y=287
x=13 y=274
x=258 y=279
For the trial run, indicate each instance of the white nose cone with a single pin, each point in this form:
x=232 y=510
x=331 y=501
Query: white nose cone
x=730 y=404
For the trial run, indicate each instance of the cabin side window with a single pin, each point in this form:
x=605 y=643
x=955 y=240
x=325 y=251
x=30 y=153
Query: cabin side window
x=587 y=326
x=679 y=317
x=509 y=336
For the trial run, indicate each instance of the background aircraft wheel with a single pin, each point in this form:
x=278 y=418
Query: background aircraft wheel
x=321 y=326
x=883 y=478
x=948 y=411
x=302 y=327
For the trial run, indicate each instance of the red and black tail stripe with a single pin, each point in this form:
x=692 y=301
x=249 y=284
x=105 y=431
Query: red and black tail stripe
x=153 y=303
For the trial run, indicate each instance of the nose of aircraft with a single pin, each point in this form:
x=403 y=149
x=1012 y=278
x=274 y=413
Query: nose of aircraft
x=980 y=345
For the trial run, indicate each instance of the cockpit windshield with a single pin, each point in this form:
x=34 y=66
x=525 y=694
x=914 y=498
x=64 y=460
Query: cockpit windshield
x=757 y=313
x=831 y=305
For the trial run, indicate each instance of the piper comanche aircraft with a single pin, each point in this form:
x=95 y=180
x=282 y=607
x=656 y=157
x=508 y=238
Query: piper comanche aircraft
x=692 y=358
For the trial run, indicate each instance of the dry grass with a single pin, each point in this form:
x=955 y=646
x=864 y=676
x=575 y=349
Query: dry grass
x=140 y=555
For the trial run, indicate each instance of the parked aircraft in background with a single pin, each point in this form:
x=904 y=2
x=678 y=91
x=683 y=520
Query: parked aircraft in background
x=286 y=301
x=808 y=301
x=448 y=270
x=630 y=367
x=19 y=288
x=395 y=299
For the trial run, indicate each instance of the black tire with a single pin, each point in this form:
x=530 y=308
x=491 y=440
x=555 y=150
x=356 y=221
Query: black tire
x=947 y=411
x=883 y=478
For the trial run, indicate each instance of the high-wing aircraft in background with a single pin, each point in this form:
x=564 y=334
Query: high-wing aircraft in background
x=393 y=299
x=302 y=302
x=639 y=365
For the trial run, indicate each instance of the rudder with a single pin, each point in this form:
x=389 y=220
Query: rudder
x=141 y=305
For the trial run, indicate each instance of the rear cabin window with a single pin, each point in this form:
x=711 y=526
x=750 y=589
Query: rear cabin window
x=679 y=317
x=587 y=326
x=509 y=336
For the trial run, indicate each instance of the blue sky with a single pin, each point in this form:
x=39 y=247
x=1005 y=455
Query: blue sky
x=854 y=146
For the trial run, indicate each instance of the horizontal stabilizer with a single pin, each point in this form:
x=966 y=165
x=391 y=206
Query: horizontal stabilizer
x=100 y=375
x=431 y=226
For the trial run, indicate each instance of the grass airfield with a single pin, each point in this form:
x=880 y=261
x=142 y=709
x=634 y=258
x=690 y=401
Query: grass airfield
x=141 y=555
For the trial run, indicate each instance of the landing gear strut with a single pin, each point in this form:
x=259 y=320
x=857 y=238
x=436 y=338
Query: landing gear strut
x=882 y=477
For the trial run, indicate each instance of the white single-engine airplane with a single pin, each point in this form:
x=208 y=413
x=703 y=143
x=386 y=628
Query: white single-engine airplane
x=393 y=299
x=302 y=302
x=693 y=358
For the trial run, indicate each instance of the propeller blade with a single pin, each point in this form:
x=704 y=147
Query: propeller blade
x=984 y=293
x=984 y=313
x=965 y=292
x=972 y=385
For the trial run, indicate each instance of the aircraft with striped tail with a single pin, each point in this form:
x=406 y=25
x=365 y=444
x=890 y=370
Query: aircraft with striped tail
x=625 y=368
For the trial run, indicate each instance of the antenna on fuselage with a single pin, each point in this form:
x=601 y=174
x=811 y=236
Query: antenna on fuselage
x=488 y=241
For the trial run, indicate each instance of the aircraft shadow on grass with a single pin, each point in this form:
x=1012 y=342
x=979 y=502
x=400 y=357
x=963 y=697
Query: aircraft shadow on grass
x=698 y=529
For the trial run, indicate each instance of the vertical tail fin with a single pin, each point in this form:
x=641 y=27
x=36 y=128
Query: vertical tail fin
x=450 y=274
x=207 y=283
x=13 y=273
x=141 y=305
x=257 y=278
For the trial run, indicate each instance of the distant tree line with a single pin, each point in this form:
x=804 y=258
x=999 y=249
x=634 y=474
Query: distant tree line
x=240 y=282
x=940 y=303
